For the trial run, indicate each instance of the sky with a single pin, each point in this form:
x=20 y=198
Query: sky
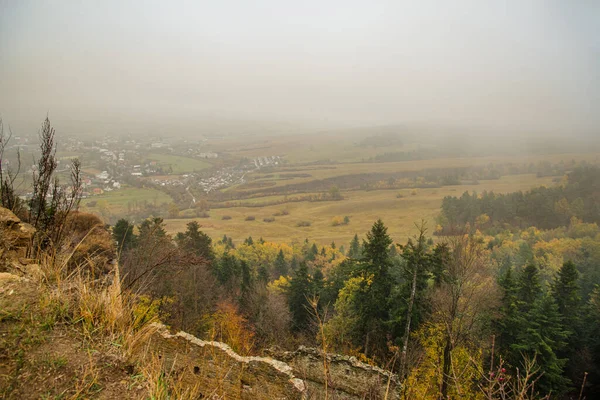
x=510 y=65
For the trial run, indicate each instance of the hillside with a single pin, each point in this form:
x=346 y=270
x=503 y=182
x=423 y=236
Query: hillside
x=84 y=337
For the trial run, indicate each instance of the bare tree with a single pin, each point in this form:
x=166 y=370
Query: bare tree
x=8 y=196
x=51 y=203
x=462 y=298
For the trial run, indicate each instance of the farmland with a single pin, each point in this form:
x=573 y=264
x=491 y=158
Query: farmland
x=363 y=207
x=177 y=164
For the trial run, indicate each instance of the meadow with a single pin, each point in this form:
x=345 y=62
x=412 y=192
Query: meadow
x=179 y=164
x=362 y=207
x=119 y=201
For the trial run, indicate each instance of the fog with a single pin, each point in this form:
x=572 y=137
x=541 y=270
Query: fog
x=109 y=65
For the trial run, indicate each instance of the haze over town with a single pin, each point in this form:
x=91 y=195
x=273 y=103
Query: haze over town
x=300 y=66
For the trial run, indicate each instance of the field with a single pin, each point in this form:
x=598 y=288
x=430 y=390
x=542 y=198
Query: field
x=117 y=202
x=363 y=208
x=179 y=164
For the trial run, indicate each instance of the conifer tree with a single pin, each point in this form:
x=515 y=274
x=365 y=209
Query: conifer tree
x=374 y=301
x=565 y=290
x=281 y=266
x=263 y=275
x=123 y=234
x=355 y=251
x=300 y=288
x=245 y=284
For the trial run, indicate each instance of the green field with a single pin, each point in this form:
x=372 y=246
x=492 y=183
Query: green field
x=179 y=164
x=117 y=201
x=363 y=208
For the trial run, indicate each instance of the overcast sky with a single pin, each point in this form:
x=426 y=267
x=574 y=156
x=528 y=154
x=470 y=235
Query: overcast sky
x=505 y=64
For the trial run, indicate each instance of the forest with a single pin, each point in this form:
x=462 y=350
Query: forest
x=545 y=208
x=493 y=310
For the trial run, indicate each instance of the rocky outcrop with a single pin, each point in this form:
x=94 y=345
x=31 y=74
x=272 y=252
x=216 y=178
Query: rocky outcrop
x=347 y=378
x=218 y=370
x=15 y=238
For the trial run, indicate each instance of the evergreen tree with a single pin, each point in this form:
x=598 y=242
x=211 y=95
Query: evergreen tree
x=509 y=322
x=196 y=241
x=249 y=241
x=542 y=335
x=532 y=328
x=263 y=275
x=374 y=301
x=294 y=263
x=245 y=284
x=312 y=253
x=566 y=293
x=281 y=266
x=530 y=288
x=565 y=290
x=123 y=234
x=355 y=250
x=152 y=227
x=228 y=268
x=299 y=289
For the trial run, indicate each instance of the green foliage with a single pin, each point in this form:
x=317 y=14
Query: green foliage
x=195 y=241
x=355 y=249
x=281 y=266
x=123 y=234
x=543 y=207
x=299 y=291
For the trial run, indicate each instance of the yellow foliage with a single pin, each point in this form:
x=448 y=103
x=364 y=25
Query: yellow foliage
x=425 y=379
x=280 y=285
x=227 y=325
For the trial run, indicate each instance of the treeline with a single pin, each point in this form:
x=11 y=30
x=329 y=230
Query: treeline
x=426 y=178
x=546 y=208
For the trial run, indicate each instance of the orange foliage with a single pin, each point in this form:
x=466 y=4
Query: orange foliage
x=229 y=326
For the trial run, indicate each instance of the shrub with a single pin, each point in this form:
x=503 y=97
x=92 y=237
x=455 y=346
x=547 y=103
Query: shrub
x=250 y=218
x=226 y=217
x=203 y=214
x=269 y=219
x=337 y=221
x=414 y=192
x=399 y=196
x=303 y=223
x=281 y=213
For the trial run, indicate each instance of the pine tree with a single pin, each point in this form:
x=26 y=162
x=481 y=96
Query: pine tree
x=374 y=301
x=355 y=251
x=410 y=307
x=533 y=328
x=245 y=284
x=196 y=241
x=542 y=335
x=530 y=288
x=263 y=275
x=312 y=253
x=228 y=268
x=123 y=234
x=565 y=290
x=294 y=263
x=300 y=288
x=509 y=321
x=249 y=241
x=566 y=293
x=281 y=266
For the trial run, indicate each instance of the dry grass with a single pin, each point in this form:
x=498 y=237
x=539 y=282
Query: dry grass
x=89 y=324
x=363 y=208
